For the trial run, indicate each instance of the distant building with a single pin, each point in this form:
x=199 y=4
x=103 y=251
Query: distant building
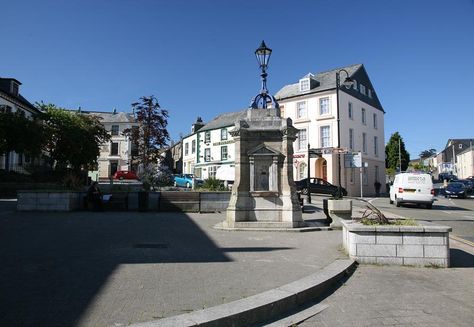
x=12 y=101
x=120 y=153
x=448 y=158
x=465 y=163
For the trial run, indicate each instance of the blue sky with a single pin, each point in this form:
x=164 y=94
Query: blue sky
x=197 y=56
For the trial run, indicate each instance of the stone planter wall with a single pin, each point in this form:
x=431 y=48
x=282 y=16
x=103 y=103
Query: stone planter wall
x=157 y=201
x=425 y=245
x=49 y=201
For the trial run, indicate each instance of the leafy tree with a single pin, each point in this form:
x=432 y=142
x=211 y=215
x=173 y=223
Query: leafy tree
x=20 y=134
x=74 y=139
x=391 y=153
x=427 y=153
x=151 y=135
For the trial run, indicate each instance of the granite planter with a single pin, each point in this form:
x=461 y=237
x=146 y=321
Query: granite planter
x=339 y=210
x=422 y=245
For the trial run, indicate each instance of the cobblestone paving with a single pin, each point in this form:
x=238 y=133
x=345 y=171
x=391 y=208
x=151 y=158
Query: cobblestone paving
x=401 y=296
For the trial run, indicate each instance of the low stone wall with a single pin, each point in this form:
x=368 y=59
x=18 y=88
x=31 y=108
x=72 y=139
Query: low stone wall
x=49 y=201
x=214 y=201
x=157 y=201
x=424 y=245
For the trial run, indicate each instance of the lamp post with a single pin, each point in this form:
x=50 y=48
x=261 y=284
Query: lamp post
x=263 y=54
x=348 y=82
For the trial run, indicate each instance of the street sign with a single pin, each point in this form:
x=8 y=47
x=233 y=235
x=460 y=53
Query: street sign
x=353 y=160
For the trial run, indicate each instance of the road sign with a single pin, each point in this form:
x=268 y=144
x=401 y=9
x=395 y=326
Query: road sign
x=353 y=160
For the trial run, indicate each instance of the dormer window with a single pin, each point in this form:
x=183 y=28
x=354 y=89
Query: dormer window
x=14 y=88
x=369 y=93
x=354 y=86
x=362 y=89
x=304 y=84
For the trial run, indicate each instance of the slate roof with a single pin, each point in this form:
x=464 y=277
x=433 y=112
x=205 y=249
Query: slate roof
x=109 y=117
x=4 y=88
x=326 y=79
x=223 y=120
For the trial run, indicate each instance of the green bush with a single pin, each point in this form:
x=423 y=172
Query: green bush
x=213 y=184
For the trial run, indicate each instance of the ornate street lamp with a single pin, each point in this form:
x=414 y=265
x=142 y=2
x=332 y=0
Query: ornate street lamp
x=348 y=82
x=263 y=54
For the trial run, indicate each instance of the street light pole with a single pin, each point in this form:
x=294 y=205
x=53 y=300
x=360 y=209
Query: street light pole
x=308 y=185
x=348 y=82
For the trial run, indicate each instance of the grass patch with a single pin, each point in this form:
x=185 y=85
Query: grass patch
x=396 y=222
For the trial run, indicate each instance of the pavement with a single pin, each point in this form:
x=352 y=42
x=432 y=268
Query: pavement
x=121 y=268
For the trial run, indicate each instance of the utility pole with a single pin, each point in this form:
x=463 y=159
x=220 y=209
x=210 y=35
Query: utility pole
x=400 y=154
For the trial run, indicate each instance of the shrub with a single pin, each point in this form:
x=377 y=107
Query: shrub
x=213 y=184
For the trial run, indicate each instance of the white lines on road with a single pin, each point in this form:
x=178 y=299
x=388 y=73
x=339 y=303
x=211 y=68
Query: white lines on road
x=447 y=212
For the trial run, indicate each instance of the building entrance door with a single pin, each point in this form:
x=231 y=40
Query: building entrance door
x=321 y=169
x=113 y=168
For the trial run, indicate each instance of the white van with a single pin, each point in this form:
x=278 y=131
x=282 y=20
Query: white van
x=412 y=188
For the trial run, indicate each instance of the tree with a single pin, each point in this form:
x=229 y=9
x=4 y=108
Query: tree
x=74 y=139
x=427 y=153
x=151 y=135
x=392 y=160
x=20 y=134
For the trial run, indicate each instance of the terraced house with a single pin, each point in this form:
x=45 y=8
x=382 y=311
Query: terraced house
x=12 y=101
x=311 y=103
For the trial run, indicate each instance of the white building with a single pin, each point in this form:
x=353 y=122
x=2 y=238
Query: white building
x=312 y=105
x=119 y=153
x=210 y=146
x=12 y=101
x=465 y=163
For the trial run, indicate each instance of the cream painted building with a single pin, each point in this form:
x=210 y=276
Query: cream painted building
x=465 y=163
x=312 y=105
x=119 y=153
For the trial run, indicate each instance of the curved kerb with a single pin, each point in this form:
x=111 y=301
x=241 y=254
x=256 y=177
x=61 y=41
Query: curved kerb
x=264 y=306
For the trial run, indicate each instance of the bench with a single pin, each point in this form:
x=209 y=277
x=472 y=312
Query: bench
x=118 y=201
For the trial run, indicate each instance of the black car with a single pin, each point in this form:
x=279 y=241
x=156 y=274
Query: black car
x=318 y=185
x=468 y=183
x=455 y=189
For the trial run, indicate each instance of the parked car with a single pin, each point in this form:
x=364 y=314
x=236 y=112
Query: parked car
x=455 y=189
x=186 y=180
x=446 y=176
x=412 y=188
x=468 y=183
x=125 y=174
x=317 y=185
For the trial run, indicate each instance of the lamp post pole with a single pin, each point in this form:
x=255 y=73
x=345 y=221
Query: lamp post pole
x=308 y=196
x=348 y=82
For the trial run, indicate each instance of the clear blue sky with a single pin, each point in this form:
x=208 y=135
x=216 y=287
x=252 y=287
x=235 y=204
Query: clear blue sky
x=197 y=56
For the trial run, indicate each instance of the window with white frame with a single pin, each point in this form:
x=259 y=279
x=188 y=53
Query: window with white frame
x=325 y=132
x=302 y=138
x=362 y=89
x=376 y=148
x=349 y=110
x=186 y=149
x=301 y=110
x=354 y=86
x=351 y=139
x=302 y=170
x=282 y=111
x=223 y=152
x=304 y=84
x=324 y=106
x=364 y=118
x=369 y=93
x=207 y=137
x=375 y=121
x=207 y=154
x=223 y=134
x=364 y=142
x=193 y=146
x=212 y=171
x=115 y=130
